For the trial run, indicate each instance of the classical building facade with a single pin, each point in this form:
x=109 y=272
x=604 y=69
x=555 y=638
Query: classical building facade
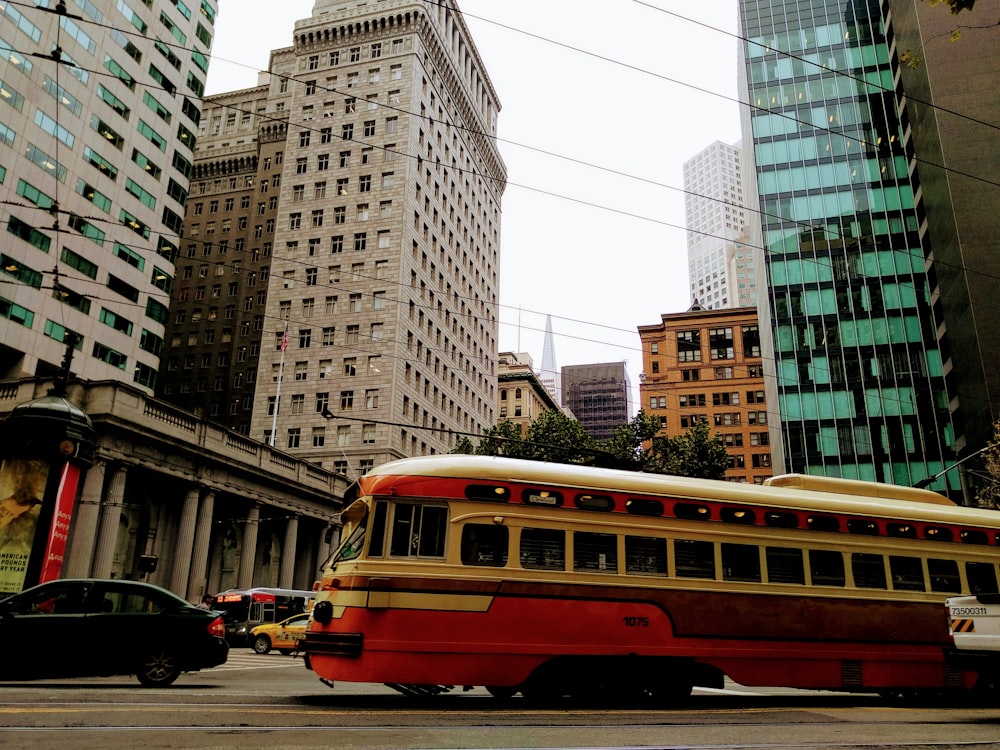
x=706 y=366
x=599 y=396
x=523 y=395
x=859 y=372
x=215 y=509
x=95 y=161
x=380 y=325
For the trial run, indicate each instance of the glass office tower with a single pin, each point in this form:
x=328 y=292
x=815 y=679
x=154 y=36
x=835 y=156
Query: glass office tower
x=857 y=370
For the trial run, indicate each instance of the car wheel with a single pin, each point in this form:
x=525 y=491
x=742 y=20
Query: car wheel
x=261 y=644
x=158 y=668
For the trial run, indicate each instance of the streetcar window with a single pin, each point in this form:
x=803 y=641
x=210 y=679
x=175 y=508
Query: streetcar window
x=944 y=576
x=485 y=544
x=644 y=507
x=595 y=502
x=907 y=573
x=542 y=497
x=691 y=512
x=982 y=577
x=781 y=520
x=826 y=568
x=862 y=526
x=491 y=492
x=595 y=552
x=905 y=530
x=784 y=565
x=868 y=570
x=738 y=515
x=376 y=547
x=646 y=555
x=418 y=530
x=938 y=534
x=823 y=523
x=694 y=559
x=740 y=562
x=543 y=548
x=970 y=536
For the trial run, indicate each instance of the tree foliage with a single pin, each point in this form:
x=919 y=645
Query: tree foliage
x=634 y=446
x=913 y=58
x=989 y=495
x=956 y=6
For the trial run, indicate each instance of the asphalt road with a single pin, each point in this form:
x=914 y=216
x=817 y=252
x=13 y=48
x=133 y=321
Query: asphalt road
x=272 y=701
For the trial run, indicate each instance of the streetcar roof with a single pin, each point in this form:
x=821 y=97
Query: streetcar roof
x=789 y=491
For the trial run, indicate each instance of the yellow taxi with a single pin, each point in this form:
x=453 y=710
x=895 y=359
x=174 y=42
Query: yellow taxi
x=282 y=636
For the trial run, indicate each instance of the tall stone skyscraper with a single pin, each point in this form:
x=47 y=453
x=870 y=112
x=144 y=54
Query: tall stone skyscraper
x=858 y=373
x=381 y=325
x=98 y=115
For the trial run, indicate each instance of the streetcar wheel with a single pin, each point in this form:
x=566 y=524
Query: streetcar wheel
x=501 y=692
x=261 y=644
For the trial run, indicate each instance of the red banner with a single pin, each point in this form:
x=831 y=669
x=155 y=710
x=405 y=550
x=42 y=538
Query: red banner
x=55 y=549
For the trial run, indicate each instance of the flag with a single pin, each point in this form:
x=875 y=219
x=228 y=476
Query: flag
x=284 y=339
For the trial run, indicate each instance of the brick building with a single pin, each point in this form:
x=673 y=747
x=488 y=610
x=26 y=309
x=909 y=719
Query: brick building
x=706 y=365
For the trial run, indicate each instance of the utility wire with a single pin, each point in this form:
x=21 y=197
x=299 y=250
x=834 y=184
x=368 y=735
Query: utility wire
x=459 y=169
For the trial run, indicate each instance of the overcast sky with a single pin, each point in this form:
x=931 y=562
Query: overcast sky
x=602 y=103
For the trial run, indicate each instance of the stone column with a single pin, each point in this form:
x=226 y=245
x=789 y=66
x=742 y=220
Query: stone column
x=185 y=543
x=197 y=579
x=87 y=517
x=286 y=576
x=248 y=555
x=107 y=535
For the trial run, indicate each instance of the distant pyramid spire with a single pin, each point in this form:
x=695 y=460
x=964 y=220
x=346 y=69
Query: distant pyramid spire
x=549 y=374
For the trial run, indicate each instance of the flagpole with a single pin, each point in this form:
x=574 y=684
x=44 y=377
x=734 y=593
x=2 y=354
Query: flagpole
x=277 y=396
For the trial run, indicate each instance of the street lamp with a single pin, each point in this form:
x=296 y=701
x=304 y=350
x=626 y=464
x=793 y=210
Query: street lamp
x=923 y=483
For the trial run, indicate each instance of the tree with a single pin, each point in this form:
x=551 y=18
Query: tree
x=556 y=438
x=625 y=445
x=989 y=495
x=502 y=439
x=957 y=6
x=695 y=453
x=913 y=58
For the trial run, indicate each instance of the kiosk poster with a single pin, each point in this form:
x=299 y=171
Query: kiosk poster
x=22 y=488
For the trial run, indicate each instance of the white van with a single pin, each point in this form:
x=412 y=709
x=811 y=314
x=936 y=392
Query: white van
x=974 y=627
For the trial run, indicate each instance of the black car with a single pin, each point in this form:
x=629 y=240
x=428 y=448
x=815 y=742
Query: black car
x=91 y=628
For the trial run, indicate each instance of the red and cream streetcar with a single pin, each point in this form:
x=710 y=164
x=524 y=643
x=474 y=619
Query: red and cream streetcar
x=555 y=580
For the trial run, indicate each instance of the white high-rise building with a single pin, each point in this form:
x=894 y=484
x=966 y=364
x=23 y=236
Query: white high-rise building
x=722 y=271
x=99 y=106
x=549 y=374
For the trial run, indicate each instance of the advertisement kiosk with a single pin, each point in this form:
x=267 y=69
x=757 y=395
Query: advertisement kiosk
x=45 y=445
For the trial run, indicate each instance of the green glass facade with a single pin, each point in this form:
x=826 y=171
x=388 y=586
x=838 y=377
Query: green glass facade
x=858 y=372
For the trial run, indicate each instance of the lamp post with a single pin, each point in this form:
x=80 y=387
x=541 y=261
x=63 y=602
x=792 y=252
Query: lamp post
x=926 y=481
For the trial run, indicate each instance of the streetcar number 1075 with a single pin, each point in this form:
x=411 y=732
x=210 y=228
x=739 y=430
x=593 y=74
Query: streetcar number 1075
x=637 y=622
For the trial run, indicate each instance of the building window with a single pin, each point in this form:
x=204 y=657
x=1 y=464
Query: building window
x=720 y=343
x=689 y=346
